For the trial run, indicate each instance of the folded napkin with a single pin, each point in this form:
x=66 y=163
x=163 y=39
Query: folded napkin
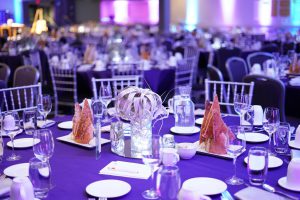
x=126 y=169
x=214 y=131
x=251 y=193
x=43 y=124
x=83 y=123
x=295 y=81
x=5 y=187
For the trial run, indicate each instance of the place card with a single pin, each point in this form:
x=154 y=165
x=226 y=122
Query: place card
x=126 y=169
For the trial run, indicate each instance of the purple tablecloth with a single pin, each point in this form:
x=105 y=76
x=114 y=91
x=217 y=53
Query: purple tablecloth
x=74 y=167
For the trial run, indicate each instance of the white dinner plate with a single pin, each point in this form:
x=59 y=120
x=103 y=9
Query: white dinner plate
x=91 y=144
x=5 y=135
x=18 y=170
x=283 y=183
x=273 y=162
x=108 y=188
x=66 y=125
x=183 y=131
x=201 y=150
x=254 y=137
x=294 y=145
x=199 y=121
x=205 y=185
x=22 y=143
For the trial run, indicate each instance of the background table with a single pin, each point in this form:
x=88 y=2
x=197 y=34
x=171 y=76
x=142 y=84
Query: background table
x=73 y=167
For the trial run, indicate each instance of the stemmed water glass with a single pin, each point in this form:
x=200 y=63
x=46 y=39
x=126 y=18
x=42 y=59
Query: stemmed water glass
x=43 y=147
x=105 y=98
x=235 y=144
x=270 y=123
x=11 y=127
x=241 y=105
x=44 y=106
x=151 y=158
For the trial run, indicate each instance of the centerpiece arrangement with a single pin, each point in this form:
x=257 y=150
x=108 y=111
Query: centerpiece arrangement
x=141 y=107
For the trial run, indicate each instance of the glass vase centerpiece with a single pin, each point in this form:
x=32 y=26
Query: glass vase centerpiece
x=143 y=108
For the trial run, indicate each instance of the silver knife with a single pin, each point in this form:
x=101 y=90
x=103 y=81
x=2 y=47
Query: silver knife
x=273 y=190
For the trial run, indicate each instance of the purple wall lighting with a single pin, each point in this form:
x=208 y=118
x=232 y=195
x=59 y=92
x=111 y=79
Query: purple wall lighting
x=129 y=12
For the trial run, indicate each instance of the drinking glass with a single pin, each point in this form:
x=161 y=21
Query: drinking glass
x=151 y=158
x=168 y=141
x=44 y=105
x=235 y=144
x=29 y=121
x=1 y=148
x=40 y=177
x=97 y=108
x=257 y=165
x=105 y=98
x=241 y=105
x=11 y=127
x=271 y=123
x=281 y=138
x=43 y=147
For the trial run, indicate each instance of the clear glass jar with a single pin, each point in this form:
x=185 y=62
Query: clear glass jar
x=184 y=109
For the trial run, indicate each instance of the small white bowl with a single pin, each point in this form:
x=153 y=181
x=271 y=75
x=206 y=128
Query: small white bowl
x=186 y=150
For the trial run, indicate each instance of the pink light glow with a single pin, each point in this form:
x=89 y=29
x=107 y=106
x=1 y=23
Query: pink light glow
x=130 y=12
x=265 y=12
x=228 y=7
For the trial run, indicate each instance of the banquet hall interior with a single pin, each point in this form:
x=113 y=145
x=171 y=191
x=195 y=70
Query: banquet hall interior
x=150 y=99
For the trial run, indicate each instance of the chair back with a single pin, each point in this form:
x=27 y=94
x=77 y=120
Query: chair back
x=221 y=57
x=64 y=82
x=259 y=58
x=185 y=71
x=26 y=75
x=236 y=69
x=4 y=72
x=214 y=73
x=226 y=90
x=20 y=98
x=129 y=69
x=116 y=84
x=268 y=92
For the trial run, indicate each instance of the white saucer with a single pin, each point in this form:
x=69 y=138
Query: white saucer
x=294 y=145
x=283 y=183
x=108 y=188
x=273 y=162
x=66 y=125
x=18 y=170
x=205 y=185
x=182 y=131
x=255 y=137
x=42 y=124
x=199 y=121
x=22 y=143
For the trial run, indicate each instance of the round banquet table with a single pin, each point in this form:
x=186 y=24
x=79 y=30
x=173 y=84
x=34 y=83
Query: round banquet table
x=73 y=167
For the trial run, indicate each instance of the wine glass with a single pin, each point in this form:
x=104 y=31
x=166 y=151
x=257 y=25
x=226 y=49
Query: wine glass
x=44 y=106
x=43 y=147
x=151 y=158
x=11 y=127
x=235 y=144
x=105 y=98
x=241 y=105
x=270 y=123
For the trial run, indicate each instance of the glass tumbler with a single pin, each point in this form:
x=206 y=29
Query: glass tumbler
x=168 y=141
x=281 y=138
x=30 y=121
x=257 y=165
x=40 y=177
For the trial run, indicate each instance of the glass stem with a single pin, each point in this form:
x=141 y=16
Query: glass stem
x=234 y=166
x=270 y=139
x=152 y=179
x=13 y=145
